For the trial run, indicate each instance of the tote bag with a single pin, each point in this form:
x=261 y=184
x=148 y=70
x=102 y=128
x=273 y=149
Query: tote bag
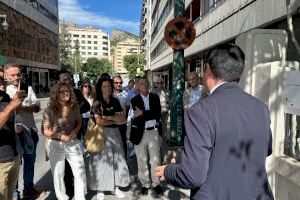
x=94 y=137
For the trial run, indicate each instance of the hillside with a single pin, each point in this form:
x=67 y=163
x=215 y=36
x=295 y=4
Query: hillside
x=119 y=35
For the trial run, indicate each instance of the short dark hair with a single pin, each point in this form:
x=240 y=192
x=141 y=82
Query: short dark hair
x=63 y=71
x=131 y=81
x=104 y=75
x=226 y=62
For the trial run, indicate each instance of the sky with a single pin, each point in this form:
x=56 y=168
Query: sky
x=103 y=14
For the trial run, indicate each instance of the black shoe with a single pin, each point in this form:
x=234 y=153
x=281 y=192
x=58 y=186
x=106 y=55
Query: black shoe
x=158 y=190
x=33 y=193
x=144 y=191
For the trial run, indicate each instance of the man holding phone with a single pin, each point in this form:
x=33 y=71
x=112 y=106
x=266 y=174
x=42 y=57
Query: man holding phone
x=30 y=105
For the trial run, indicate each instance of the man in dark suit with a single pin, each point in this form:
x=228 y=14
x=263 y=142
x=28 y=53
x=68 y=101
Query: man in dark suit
x=228 y=137
x=145 y=136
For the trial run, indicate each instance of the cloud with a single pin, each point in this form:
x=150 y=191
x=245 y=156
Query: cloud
x=71 y=11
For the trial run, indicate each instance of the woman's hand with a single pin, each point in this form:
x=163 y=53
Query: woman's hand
x=73 y=135
x=65 y=138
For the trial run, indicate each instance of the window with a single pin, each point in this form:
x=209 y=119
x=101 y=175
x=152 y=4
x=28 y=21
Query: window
x=83 y=53
x=95 y=48
x=83 y=47
x=195 y=9
x=89 y=53
x=89 y=42
x=105 y=54
x=82 y=36
x=95 y=42
x=75 y=35
x=292 y=136
x=105 y=43
x=89 y=36
x=105 y=37
x=95 y=54
x=105 y=48
x=95 y=36
x=82 y=41
x=89 y=47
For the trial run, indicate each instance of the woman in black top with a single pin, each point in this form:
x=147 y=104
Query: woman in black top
x=108 y=170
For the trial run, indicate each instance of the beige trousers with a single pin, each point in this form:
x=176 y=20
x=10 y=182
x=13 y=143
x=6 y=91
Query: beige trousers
x=9 y=173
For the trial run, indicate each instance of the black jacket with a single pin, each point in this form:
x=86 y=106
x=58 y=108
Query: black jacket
x=138 y=124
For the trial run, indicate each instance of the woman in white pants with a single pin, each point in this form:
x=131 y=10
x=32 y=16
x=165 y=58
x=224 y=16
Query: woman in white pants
x=61 y=123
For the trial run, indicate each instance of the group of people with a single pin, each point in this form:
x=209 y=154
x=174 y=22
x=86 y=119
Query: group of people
x=224 y=151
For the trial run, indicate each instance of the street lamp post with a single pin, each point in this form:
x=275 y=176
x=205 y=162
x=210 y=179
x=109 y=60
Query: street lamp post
x=177 y=123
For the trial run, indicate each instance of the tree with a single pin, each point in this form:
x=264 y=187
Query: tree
x=95 y=67
x=64 y=49
x=132 y=63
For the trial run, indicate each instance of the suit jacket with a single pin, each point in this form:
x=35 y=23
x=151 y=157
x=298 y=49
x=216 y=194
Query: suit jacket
x=228 y=138
x=138 y=123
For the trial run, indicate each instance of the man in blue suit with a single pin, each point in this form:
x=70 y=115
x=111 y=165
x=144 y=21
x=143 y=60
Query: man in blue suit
x=228 y=137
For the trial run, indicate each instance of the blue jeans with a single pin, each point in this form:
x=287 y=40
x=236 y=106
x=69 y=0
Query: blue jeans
x=28 y=166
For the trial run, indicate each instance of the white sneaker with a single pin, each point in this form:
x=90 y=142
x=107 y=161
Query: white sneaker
x=100 y=195
x=119 y=193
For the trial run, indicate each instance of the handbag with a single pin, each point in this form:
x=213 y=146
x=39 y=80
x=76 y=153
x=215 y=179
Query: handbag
x=94 y=137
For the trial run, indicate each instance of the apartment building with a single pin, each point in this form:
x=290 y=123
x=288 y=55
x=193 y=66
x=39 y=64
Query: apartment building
x=261 y=29
x=123 y=48
x=92 y=41
x=31 y=39
x=145 y=34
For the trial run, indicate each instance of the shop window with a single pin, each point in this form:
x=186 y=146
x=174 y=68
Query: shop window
x=292 y=136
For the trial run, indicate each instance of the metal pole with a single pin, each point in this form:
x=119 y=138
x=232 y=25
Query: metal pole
x=177 y=123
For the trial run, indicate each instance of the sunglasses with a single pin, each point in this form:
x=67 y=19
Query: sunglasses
x=118 y=82
x=86 y=86
x=159 y=82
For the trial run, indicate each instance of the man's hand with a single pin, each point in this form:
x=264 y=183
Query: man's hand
x=159 y=171
x=18 y=99
x=138 y=112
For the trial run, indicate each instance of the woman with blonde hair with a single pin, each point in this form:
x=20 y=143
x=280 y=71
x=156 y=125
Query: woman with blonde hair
x=61 y=124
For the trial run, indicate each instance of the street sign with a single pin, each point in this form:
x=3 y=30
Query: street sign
x=3 y=60
x=180 y=33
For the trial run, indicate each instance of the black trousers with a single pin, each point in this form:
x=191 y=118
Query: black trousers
x=123 y=130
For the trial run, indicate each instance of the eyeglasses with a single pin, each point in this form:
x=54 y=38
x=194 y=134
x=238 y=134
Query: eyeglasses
x=64 y=91
x=118 y=82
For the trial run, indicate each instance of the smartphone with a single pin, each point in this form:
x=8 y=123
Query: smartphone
x=24 y=83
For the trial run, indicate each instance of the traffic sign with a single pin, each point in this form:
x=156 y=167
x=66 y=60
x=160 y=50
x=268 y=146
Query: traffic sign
x=180 y=33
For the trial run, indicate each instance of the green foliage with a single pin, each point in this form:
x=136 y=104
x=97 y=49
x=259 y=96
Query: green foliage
x=64 y=48
x=132 y=62
x=95 y=67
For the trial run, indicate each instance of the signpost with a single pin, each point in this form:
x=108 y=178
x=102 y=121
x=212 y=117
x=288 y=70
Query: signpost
x=179 y=34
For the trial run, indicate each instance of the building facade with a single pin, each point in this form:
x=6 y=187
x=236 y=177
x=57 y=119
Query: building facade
x=93 y=42
x=145 y=34
x=261 y=29
x=123 y=48
x=31 y=39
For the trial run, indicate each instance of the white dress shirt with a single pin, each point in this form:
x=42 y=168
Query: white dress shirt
x=149 y=123
x=30 y=99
